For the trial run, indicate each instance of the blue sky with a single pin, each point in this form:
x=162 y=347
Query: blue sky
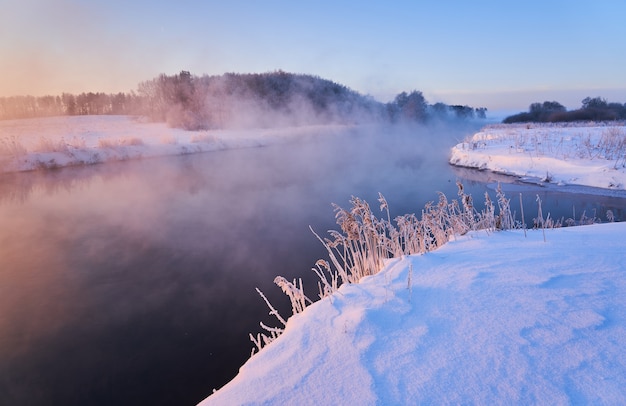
x=498 y=54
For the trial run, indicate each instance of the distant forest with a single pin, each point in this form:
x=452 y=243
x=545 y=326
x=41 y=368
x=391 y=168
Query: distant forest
x=592 y=109
x=240 y=100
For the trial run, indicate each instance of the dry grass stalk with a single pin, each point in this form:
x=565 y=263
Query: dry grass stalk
x=365 y=242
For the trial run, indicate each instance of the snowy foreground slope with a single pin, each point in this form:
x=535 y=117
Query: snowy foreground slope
x=591 y=154
x=487 y=319
x=53 y=142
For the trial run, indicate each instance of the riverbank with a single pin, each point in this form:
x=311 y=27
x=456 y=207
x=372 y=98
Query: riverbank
x=463 y=324
x=55 y=142
x=592 y=154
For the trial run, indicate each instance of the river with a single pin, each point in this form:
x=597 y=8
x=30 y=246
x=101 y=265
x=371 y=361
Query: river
x=134 y=282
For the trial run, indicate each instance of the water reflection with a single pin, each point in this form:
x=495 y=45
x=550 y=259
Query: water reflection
x=113 y=283
x=134 y=282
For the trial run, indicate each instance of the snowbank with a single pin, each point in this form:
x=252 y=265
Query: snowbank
x=54 y=142
x=588 y=155
x=486 y=319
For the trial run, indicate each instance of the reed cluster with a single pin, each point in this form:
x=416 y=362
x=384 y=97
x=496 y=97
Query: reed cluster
x=366 y=241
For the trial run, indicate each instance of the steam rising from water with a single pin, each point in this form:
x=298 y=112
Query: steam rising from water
x=159 y=258
x=139 y=277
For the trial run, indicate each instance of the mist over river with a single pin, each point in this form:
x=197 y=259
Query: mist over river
x=134 y=282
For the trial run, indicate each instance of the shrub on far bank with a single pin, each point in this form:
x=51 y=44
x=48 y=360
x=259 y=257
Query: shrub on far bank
x=592 y=109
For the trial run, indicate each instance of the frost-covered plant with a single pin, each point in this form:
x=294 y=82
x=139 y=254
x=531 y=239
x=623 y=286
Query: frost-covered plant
x=488 y=217
x=610 y=216
x=540 y=221
x=295 y=291
x=326 y=287
x=48 y=145
x=123 y=141
x=585 y=220
x=77 y=143
x=468 y=207
x=10 y=146
x=366 y=241
x=106 y=143
x=262 y=339
x=505 y=220
x=613 y=144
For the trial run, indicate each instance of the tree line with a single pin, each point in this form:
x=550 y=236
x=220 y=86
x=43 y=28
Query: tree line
x=592 y=109
x=16 y=107
x=193 y=102
x=268 y=99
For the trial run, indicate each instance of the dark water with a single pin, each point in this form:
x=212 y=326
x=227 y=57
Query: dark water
x=133 y=283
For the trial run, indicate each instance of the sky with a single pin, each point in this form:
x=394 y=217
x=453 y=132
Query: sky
x=500 y=55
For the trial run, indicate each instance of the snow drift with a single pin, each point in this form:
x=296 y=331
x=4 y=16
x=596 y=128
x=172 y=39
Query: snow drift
x=487 y=319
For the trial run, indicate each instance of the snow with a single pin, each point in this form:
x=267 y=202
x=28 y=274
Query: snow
x=54 y=142
x=487 y=319
x=585 y=155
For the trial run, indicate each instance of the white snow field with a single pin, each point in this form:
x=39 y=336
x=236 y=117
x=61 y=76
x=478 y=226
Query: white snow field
x=491 y=319
x=592 y=154
x=53 y=142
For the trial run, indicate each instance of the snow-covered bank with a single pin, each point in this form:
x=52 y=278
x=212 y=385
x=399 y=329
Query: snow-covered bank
x=54 y=142
x=587 y=155
x=487 y=319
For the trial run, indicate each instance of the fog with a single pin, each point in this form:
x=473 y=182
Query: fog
x=133 y=282
x=142 y=273
x=278 y=99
